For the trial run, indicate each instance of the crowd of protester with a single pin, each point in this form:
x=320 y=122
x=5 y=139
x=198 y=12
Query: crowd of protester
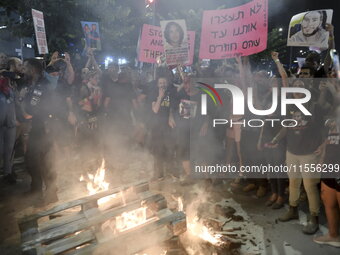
x=60 y=104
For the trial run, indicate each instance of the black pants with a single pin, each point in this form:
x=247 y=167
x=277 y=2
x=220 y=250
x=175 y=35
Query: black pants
x=162 y=148
x=276 y=157
x=39 y=162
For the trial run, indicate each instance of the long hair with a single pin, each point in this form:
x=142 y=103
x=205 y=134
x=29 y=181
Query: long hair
x=167 y=32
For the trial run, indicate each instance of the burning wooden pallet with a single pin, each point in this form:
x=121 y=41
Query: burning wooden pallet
x=125 y=220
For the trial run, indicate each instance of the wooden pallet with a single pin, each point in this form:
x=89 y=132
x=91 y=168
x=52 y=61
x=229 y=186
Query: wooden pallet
x=65 y=230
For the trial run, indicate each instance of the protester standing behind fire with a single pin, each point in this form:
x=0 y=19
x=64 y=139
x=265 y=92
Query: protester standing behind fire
x=39 y=153
x=302 y=141
x=90 y=103
x=190 y=126
x=161 y=134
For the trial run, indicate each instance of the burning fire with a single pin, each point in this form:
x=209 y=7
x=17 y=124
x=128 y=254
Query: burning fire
x=199 y=230
x=96 y=183
x=180 y=204
x=128 y=220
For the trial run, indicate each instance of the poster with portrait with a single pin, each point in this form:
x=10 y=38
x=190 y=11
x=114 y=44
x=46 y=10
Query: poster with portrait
x=187 y=109
x=40 y=33
x=150 y=45
x=175 y=41
x=92 y=35
x=309 y=29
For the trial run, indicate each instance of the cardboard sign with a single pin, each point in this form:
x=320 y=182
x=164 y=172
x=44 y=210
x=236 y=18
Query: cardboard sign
x=40 y=34
x=175 y=41
x=239 y=31
x=91 y=33
x=151 y=44
x=308 y=29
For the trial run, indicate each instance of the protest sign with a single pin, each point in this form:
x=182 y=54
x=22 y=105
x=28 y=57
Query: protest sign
x=39 y=28
x=308 y=29
x=91 y=33
x=175 y=41
x=239 y=31
x=151 y=44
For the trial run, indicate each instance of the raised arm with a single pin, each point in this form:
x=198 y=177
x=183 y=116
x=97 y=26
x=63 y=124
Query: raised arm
x=282 y=71
x=69 y=69
x=331 y=45
x=242 y=73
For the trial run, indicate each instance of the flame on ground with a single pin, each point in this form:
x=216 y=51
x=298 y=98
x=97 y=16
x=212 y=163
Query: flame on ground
x=199 y=230
x=96 y=183
x=128 y=220
x=180 y=204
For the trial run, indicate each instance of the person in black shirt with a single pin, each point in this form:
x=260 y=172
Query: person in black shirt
x=190 y=125
x=303 y=139
x=109 y=83
x=63 y=103
x=161 y=133
x=38 y=157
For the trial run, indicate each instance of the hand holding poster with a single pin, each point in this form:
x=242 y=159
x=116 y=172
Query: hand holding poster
x=175 y=41
x=308 y=29
x=40 y=34
x=151 y=44
x=239 y=31
x=91 y=33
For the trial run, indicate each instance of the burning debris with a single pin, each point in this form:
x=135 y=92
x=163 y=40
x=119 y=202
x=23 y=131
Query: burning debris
x=220 y=227
x=135 y=219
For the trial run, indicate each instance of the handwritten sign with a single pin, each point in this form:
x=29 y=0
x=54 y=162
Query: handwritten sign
x=39 y=28
x=239 y=31
x=151 y=44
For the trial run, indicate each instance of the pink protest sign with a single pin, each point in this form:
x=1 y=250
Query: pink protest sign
x=239 y=31
x=151 y=44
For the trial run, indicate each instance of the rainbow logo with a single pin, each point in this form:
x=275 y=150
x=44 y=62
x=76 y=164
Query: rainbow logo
x=208 y=90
